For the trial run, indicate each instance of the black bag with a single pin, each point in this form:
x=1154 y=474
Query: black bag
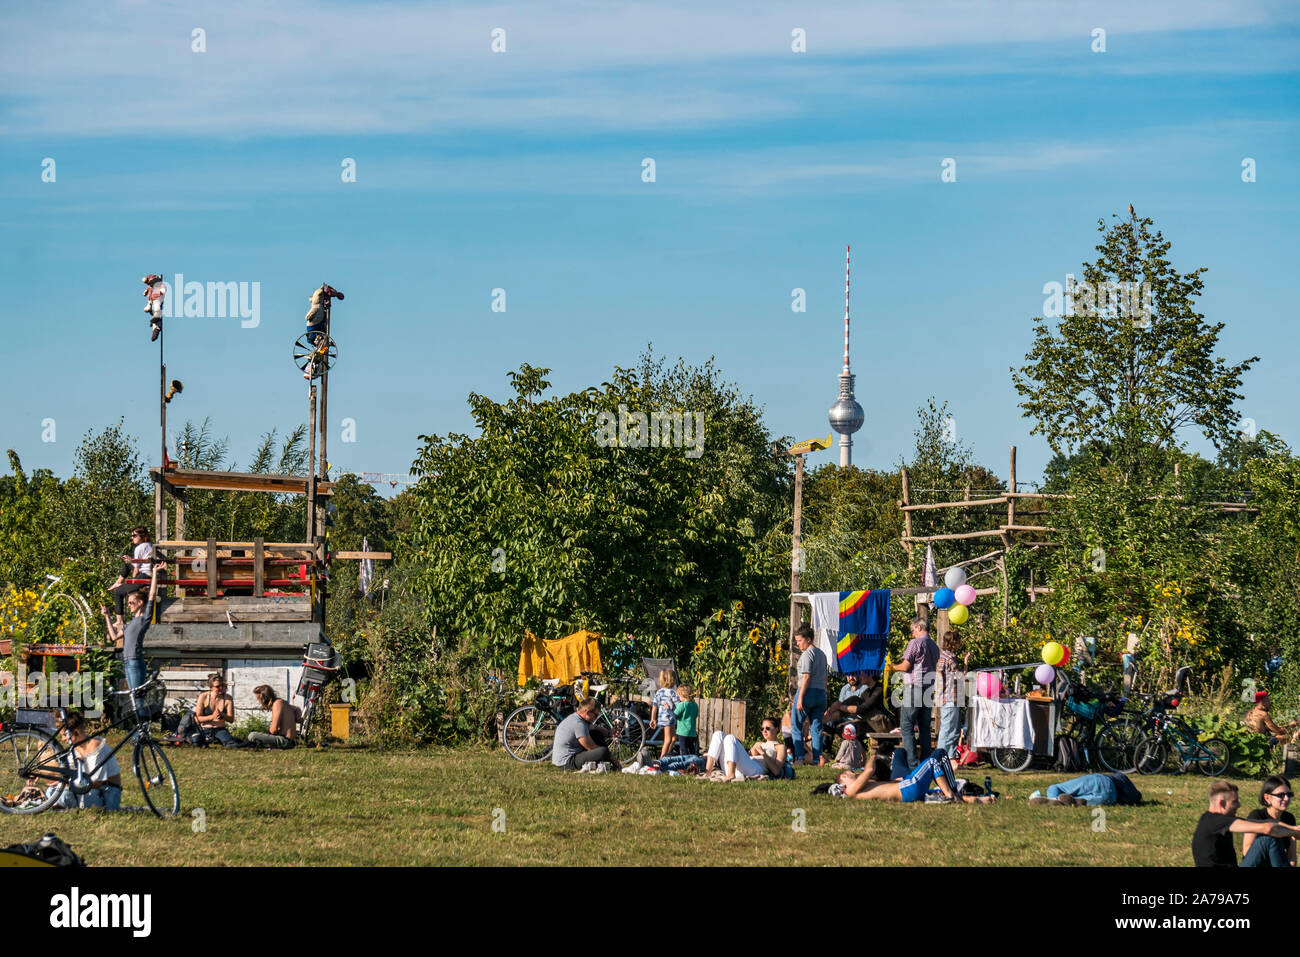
x=1069 y=756
x=50 y=850
x=1126 y=791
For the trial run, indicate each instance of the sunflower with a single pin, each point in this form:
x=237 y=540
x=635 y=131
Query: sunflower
x=738 y=606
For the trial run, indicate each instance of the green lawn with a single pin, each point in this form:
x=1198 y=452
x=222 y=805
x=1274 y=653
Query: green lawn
x=436 y=806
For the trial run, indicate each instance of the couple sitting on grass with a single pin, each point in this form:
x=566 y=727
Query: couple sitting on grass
x=209 y=721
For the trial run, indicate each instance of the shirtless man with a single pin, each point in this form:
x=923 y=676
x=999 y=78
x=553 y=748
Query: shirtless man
x=284 y=720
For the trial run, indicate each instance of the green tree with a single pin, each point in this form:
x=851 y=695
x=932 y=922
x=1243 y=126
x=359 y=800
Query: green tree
x=1134 y=364
x=537 y=523
x=28 y=547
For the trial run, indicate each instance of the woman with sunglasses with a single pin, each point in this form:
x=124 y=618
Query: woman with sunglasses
x=136 y=565
x=770 y=744
x=1262 y=850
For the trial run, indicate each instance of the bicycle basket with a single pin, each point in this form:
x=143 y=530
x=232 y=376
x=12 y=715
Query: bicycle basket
x=1090 y=710
x=152 y=701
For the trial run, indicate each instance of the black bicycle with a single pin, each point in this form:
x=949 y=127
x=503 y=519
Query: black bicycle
x=35 y=769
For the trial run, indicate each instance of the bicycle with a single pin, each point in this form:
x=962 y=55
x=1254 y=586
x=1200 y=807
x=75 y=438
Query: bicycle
x=319 y=664
x=1211 y=755
x=528 y=733
x=32 y=760
x=1097 y=723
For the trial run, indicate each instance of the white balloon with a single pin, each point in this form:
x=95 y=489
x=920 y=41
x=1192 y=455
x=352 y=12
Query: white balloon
x=955 y=578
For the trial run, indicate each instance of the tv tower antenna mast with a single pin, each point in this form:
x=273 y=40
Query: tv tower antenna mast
x=846 y=415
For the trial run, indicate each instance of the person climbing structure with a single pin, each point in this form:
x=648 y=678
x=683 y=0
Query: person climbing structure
x=155 y=291
x=317 y=315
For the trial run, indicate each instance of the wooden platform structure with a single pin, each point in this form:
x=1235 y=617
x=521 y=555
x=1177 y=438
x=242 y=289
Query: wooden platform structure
x=245 y=608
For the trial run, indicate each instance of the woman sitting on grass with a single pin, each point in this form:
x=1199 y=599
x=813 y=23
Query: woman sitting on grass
x=105 y=782
x=911 y=787
x=284 y=721
x=728 y=752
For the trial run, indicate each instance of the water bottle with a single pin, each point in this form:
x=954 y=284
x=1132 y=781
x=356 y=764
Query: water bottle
x=988 y=784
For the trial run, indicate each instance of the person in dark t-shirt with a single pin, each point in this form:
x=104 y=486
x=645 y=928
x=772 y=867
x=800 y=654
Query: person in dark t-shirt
x=1212 y=842
x=1261 y=850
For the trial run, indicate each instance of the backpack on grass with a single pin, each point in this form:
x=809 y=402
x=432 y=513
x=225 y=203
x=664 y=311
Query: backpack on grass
x=1069 y=756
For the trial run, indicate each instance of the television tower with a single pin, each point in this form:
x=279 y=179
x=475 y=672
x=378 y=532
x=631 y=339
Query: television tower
x=846 y=415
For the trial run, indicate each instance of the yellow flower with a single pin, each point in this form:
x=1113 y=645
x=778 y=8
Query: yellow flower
x=719 y=616
x=739 y=606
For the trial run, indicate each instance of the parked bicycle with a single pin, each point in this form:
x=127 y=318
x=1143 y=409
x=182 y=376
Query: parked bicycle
x=35 y=768
x=1166 y=734
x=1096 y=720
x=528 y=733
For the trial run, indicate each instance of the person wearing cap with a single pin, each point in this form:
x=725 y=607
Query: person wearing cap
x=1260 y=721
x=850 y=754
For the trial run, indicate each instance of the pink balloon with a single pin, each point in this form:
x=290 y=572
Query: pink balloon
x=988 y=685
x=965 y=595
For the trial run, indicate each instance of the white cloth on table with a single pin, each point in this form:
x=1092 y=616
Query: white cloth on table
x=728 y=748
x=1001 y=723
x=825 y=623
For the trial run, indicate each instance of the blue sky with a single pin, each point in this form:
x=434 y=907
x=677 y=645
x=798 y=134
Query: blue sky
x=522 y=171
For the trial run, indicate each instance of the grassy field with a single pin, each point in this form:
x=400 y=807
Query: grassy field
x=355 y=806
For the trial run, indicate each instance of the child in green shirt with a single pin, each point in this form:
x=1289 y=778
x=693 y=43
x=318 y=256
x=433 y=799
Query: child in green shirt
x=686 y=712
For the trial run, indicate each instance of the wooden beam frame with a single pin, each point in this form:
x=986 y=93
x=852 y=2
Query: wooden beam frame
x=238 y=481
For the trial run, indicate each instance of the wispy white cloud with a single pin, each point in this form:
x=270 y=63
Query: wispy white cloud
x=105 y=69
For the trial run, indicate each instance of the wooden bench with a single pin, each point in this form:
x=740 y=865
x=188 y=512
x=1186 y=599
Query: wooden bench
x=875 y=739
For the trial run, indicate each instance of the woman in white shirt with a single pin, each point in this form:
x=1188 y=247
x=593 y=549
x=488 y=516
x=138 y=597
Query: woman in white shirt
x=135 y=565
x=96 y=769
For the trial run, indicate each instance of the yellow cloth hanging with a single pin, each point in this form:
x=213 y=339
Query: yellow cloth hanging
x=563 y=658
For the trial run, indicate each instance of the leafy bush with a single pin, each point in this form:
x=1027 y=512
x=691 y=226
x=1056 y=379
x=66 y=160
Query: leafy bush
x=1250 y=752
x=250 y=723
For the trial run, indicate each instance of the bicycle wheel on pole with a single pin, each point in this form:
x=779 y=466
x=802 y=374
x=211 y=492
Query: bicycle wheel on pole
x=1012 y=760
x=1151 y=754
x=528 y=734
x=1212 y=756
x=1115 y=750
x=157 y=779
x=30 y=781
x=626 y=734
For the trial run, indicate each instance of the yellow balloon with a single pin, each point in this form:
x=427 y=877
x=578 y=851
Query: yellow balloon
x=1053 y=653
x=958 y=614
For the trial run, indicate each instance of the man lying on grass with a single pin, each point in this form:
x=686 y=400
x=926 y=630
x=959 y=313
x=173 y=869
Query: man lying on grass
x=911 y=787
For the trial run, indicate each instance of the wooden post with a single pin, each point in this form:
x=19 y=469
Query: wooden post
x=1006 y=587
x=259 y=567
x=907 y=516
x=311 y=462
x=796 y=613
x=179 y=495
x=159 y=530
x=210 y=559
x=1011 y=487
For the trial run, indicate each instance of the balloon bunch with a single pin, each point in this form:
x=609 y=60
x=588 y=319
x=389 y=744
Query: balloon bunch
x=1055 y=655
x=957 y=596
